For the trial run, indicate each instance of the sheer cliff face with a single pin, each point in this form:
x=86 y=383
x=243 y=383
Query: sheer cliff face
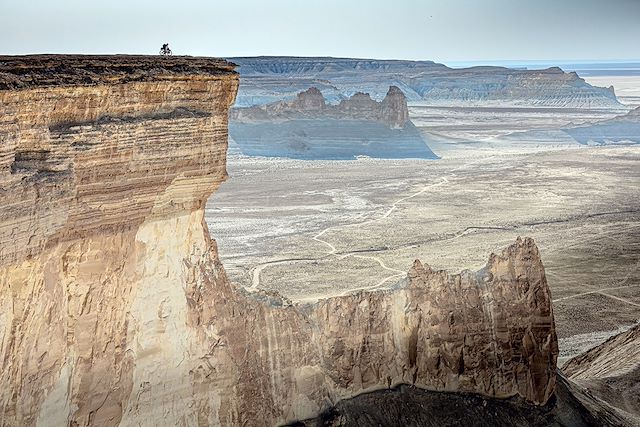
x=105 y=166
x=114 y=308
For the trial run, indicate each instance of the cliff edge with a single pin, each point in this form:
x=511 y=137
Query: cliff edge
x=114 y=307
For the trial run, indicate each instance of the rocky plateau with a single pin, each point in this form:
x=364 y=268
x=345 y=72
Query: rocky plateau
x=269 y=79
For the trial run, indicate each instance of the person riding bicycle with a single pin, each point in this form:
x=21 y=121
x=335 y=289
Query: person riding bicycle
x=165 y=49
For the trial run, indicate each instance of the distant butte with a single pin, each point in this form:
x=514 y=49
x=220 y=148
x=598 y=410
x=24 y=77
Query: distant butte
x=311 y=104
x=308 y=127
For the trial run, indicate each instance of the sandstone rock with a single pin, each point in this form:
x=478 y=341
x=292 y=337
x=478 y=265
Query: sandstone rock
x=360 y=105
x=114 y=307
x=394 y=108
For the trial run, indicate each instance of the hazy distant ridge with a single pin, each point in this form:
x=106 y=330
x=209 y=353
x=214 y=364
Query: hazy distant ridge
x=269 y=79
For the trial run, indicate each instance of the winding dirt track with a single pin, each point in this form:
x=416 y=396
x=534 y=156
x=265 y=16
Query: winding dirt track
x=332 y=251
x=255 y=283
x=356 y=254
x=619 y=285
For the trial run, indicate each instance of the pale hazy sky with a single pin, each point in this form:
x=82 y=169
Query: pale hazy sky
x=443 y=30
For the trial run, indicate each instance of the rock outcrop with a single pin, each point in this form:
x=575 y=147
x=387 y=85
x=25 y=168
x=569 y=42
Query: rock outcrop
x=310 y=128
x=270 y=79
x=114 y=307
x=394 y=108
x=309 y=100
x=105 y=166
x=611 y=371
x=310 y=104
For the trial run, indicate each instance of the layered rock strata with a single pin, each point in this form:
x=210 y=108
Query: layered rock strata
x=269 y=79
x=114 y=307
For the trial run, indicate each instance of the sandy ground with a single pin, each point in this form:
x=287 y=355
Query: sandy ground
x=314 y=229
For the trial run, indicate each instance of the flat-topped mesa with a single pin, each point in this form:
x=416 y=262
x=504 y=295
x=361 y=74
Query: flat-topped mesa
x=106 y=163
x=310 y=104
x=271 y=79
x=114 y=308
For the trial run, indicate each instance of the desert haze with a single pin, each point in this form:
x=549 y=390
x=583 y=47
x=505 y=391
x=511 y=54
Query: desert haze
x=304 y=233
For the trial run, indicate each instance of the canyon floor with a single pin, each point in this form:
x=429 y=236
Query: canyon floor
x=312 y=229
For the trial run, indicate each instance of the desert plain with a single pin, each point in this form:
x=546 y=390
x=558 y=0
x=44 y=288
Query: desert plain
x=314 y=229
